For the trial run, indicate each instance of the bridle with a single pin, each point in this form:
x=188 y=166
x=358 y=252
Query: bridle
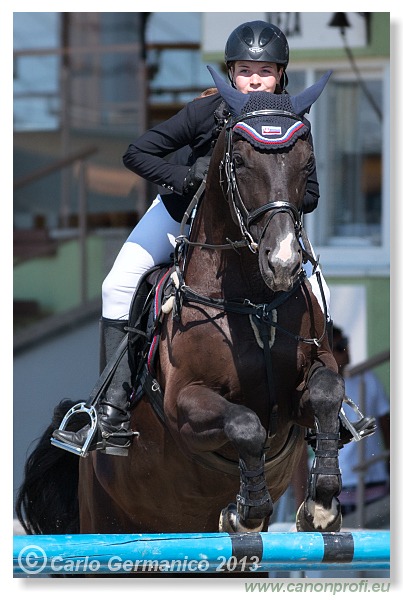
x=241 y=215
x=230 y=189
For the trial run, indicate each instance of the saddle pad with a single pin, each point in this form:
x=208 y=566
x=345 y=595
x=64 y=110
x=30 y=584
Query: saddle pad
x=156 y=313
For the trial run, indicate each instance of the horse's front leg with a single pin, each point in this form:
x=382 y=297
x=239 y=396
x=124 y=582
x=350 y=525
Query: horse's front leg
x=207 y=421
x=321 y=509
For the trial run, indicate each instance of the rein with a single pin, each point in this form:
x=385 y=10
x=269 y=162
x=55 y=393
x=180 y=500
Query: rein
x=246 y=307
x=190 y=213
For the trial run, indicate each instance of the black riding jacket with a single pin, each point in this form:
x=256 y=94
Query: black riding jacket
x=193 y=129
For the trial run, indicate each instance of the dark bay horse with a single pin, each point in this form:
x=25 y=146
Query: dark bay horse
x=244 y=361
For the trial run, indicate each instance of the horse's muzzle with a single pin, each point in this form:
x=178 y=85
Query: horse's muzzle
x=280 y=270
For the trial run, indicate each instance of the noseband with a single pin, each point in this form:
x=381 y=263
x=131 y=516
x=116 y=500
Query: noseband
x=230 y=189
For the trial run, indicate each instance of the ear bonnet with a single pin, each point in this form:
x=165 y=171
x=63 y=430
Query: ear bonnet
x=282 y=125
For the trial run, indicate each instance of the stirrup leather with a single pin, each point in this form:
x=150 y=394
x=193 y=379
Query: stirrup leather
x=361 y=428
x=81 y=407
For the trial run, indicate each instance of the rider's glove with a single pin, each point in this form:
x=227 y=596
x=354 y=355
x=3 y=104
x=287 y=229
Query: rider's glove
x=196 y=174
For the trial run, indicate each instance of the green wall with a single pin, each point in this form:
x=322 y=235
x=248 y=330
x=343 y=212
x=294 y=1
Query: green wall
x=378 y=317
x=54 y=282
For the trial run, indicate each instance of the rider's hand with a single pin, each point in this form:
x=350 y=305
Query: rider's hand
x=196 y=174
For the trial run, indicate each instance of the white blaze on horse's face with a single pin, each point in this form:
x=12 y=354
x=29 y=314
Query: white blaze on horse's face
x=280 y=255
x=285 y=252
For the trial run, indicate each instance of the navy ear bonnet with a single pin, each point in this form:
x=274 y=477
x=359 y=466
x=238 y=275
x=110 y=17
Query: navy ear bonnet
x=266 y=131
x=269 y=131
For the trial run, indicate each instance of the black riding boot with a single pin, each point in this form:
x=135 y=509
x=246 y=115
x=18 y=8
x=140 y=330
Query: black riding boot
x=113 y=435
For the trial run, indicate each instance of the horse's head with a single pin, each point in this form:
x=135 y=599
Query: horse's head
x=266 y=165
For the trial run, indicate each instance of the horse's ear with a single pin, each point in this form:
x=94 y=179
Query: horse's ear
x=235 y=100
x=303 y=101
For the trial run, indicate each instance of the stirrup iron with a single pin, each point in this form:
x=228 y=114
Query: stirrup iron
x=81 y=407
x=358 y=434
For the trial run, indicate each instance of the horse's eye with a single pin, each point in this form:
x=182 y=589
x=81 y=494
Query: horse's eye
x=238 y=160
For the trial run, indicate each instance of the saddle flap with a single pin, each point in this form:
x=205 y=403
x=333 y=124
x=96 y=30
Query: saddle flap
x=144 y=322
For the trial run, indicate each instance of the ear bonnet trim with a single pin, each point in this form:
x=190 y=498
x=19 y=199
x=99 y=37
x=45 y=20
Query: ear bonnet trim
x=282 y=140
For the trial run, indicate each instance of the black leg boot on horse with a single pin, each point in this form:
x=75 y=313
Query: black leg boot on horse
x=321 y=510
x=113 y=434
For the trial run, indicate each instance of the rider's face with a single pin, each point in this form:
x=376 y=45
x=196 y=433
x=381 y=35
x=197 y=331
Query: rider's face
x=254 y=76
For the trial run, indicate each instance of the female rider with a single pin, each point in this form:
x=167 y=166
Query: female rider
x=256 y=56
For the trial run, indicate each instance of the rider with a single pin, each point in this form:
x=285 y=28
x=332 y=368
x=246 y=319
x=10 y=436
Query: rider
x=256 y=56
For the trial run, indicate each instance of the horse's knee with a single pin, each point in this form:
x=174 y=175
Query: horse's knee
x=326 y=390
x=324 y=380
x=243 y=427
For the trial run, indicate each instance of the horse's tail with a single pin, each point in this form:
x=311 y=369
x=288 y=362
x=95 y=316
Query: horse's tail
x=47 y=501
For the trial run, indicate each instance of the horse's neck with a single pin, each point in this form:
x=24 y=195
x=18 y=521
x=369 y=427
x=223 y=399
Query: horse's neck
x=218 y=272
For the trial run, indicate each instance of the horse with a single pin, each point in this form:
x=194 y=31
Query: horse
x=244 y=368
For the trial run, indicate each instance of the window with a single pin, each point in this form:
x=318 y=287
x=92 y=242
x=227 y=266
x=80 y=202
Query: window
x=353 y=165
x=36 y=75
x=351 y=142
x=78 y=70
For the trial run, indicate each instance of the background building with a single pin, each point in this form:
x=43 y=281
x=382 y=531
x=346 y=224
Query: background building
x=86 y=84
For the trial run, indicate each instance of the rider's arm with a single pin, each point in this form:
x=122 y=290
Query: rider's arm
x=312 y=186
x=191 y=126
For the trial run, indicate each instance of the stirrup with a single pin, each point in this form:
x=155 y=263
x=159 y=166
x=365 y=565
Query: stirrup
x=361 y=428
x=82 y=407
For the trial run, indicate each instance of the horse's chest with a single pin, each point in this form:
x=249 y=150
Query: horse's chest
x=220 y=350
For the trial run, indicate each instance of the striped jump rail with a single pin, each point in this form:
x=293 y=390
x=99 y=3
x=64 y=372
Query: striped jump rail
x=200 y=552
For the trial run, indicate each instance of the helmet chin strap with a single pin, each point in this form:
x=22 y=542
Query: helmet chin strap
x=230 y=68
x=283 y=81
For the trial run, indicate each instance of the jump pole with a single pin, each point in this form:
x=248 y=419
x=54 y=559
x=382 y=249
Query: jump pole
x=200 y=553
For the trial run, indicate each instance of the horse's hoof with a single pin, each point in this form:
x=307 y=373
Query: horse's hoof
x=313 y=517
x=230 y=522
x=229 y=518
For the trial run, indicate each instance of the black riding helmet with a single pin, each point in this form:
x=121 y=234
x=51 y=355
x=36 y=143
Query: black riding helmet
x=260 y=41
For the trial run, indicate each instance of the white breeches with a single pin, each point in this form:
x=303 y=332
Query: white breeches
x=150 y=243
